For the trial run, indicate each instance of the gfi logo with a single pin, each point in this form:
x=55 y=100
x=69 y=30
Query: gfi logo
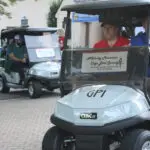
x=88 y=116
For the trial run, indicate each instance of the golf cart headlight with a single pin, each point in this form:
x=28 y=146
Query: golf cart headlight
x=54 y=74
x=37 y=72
x=117 y=113
x=123 y=111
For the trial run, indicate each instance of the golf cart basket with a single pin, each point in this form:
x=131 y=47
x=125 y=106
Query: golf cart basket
x=82 y=64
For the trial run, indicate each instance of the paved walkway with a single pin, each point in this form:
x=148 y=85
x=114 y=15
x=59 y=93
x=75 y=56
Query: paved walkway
x=24 y=121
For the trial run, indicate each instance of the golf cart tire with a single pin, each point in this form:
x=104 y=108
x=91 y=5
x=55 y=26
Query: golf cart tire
x=53 y=139
x=37 y=89
x=5 y=88
x=135 y=140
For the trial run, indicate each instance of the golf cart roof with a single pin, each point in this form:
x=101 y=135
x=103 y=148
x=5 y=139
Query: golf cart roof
x=97 y=7
x=22 y=29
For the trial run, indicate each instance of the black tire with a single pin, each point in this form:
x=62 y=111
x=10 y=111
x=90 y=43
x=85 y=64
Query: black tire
x=135 y=140
x=4 y=88
x=36 y=89
x=53 y=139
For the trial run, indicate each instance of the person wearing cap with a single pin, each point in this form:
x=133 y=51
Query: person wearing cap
x=111 y=35
x=16 y=53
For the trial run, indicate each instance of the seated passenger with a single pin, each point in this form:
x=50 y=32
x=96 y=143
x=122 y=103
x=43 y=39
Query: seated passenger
x=61 y=34
x=17 y=52
x=111 y=35
x=141 y=39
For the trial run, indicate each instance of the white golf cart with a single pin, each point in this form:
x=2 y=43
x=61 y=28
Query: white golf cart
x=44 y=60
x=107 y=106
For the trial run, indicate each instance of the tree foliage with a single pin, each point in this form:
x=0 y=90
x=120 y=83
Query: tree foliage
x=51 y=19
x=5 y=4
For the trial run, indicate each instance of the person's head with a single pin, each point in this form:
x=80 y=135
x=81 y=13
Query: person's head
x=61 y=32
x=110 y=29
x=18 y=40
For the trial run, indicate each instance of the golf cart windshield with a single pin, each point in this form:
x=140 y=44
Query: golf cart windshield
x=84 y=63
x=126 y=66
x=43 y=48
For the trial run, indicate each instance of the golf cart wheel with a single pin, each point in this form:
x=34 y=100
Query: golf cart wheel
x=34 y=89
x=138 y=139
x=3 y=87
x=53 y=139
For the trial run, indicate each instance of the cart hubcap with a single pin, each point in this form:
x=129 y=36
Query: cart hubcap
x=30 y=89
x=146 y=145
x=1 y=84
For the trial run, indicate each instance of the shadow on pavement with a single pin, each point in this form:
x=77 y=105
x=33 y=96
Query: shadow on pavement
x=15 y=94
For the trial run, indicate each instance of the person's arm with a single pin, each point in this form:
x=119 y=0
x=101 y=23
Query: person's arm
x=12 y=56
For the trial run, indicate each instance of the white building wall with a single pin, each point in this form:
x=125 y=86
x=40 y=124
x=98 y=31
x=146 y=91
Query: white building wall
x=36 y=12
x=61 y=14
x=60 y=19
